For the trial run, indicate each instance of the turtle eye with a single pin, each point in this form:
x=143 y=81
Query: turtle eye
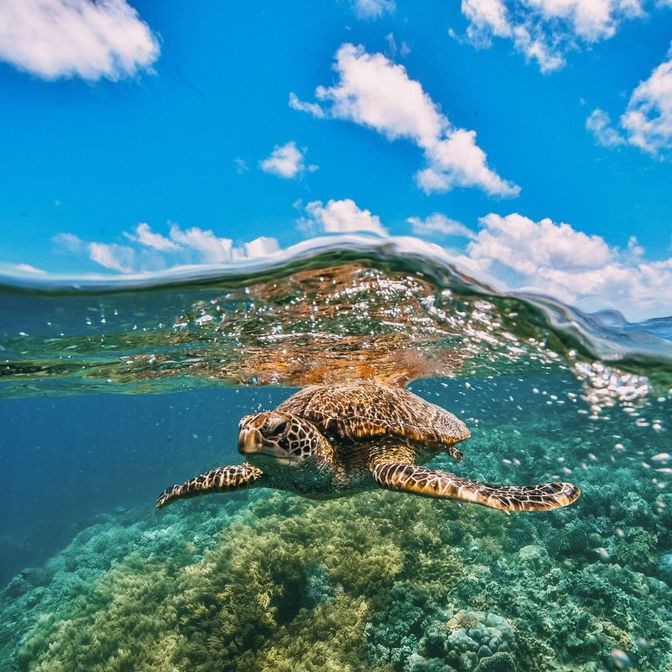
x=280 y=428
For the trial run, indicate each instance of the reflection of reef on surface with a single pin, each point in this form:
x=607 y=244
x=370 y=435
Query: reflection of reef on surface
x=378 y=581
x=348 y=320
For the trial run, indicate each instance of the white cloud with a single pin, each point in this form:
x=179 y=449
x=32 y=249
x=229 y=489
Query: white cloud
x=579 y=269
x=438 y=224
x=545 y=30
x=373 y=9
x=112 y=256
x=286 y=161
x=20 y=268
x=154 y=251
x=261 y=247
x=302 y=106
x=213 y=250
x=599 y=124
x=376 y=93
x=457 y=161
x=342 y=216
x=527 y=246
x=511 y=252
x=68 y=242
x=486 y=17
x=145 y=236
x=647 y=120
x=403 y=49
x=76 y=38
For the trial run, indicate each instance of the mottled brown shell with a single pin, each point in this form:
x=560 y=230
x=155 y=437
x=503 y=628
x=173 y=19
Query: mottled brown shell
x=351 y=412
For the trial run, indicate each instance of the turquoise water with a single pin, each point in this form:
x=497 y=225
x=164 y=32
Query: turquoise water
x=112 y=393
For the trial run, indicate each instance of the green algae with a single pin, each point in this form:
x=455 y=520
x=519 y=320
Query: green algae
x=377 y=581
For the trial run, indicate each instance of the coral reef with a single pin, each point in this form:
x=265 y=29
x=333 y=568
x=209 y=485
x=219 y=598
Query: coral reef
x=378 y=581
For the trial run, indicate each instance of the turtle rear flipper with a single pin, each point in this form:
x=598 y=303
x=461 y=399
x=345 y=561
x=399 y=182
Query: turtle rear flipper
x=222 y=479
x=444 y=485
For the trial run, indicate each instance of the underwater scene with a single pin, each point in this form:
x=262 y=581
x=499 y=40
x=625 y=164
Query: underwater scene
x=114 y=390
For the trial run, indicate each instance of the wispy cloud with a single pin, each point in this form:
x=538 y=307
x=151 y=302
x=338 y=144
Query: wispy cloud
x=377 y=93
x=546 y=30
x=241 y=166
x=20 y=268
x=110 y=255
x=373 y=9
x=647 y=120
x=286 y=161
x=150 y=251
x=76 y=38
x=302 y=106
x=438 y=225
x=599 y=124
x=68 y=242
x=339 y=216
x=403 y=49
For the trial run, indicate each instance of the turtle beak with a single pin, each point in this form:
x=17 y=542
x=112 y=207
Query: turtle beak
x=250 y=441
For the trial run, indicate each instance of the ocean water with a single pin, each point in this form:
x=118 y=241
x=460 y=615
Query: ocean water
x=111 y=392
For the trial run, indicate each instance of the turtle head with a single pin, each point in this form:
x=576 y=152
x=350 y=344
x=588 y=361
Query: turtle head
x=271 y=440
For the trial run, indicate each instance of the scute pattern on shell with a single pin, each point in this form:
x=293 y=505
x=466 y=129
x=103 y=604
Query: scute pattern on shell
x=354 y=411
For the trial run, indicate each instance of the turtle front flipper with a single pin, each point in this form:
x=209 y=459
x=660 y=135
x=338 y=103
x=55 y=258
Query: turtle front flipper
x=444 y=485
x=222 y=479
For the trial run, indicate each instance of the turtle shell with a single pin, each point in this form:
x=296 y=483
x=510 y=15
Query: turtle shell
x=352 y=412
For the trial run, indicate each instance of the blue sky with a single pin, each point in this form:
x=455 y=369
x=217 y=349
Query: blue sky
x=531 y=140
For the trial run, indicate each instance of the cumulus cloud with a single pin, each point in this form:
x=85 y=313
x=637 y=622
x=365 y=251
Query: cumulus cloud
x=373 y=9
x=375 y=92
x=154 y=251
x=579 y=269
x=527 y=247
x=76 y=38
x=437 y=224
x=286 y=161
x=211 y=248
x=545 y=30
x=647 y=120
x=261 y=247
x=342 y=216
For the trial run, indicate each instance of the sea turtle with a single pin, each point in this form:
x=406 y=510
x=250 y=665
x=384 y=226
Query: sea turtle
x=327 y=441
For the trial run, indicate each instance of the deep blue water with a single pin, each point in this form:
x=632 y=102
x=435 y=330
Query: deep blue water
x=67 y=460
